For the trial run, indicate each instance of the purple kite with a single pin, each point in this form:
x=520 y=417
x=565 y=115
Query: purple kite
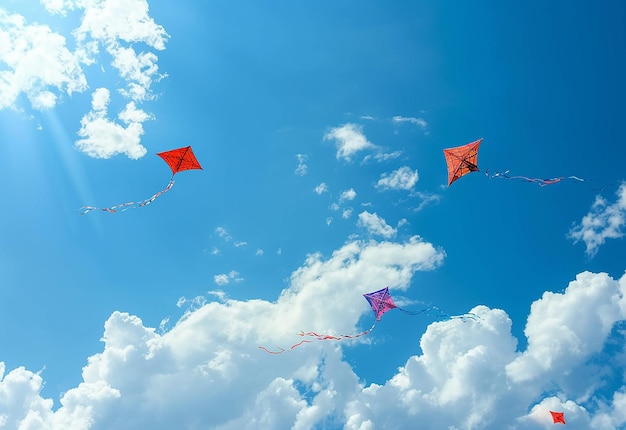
x=380 y=302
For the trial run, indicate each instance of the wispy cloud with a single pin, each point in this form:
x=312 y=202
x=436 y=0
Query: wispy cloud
x=420 y=122
x=302 y=168
x=604 y=221
x=223 y=233
x=321 y=188
x=427 y=199
x=225 y=278
x=349 y=140
x=403 y=178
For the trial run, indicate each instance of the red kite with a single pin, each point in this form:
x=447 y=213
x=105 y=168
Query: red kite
x=178 y=159
x=558 y=417
x=381 y=302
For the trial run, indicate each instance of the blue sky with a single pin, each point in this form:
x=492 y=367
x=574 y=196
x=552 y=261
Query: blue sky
x=320 y=129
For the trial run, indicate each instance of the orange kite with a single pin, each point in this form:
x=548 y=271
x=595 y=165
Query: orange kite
x=462 y=160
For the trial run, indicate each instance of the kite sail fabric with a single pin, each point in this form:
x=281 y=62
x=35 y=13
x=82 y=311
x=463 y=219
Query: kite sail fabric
x=462 y=160
x=558 y=417
x=381 y=302
x=178 y=159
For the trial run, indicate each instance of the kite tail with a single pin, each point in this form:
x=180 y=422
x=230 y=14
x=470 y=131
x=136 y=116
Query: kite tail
x=436 y=313
x=539 y=181
x=316 y=336
x=129 y=205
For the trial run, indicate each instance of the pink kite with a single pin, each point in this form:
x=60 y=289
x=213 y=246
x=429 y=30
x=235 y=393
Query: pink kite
x=381 y=302
x=178 y=159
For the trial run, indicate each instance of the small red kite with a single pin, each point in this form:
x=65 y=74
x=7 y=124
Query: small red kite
x=558 y=417
x=462 y=160
x=381 y=302
x=178 y=159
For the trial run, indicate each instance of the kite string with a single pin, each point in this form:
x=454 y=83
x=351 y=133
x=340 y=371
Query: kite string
x=440 y=314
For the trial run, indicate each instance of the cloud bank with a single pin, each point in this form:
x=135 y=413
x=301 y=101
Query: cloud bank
x=204 y=372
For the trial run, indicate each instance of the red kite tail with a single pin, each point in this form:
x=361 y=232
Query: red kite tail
x=316 y=336
x=272 y=352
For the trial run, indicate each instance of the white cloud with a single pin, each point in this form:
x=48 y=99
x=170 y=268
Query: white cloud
x=420 y=122
x=259 y=252
x=401 y=179
x=604 y=221
x=347 y=213
x=347 y=195
x=139 y=71
x=221 y=279
x=38 y=64
x=385 y=156
x=376 y=225
x=302 y=168
x=223 y=233
x=321 y=188
x=103 y=138
x=427 y=199
x=225 y=278
x=564 y=329
x=349 y=139
x=194 y=376
x=111 y=21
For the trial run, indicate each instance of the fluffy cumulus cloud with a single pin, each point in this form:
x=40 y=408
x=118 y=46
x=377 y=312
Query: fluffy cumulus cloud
x=103 y=138
x=225 y=278
x=604 y=221
x=346 y=195
x=349 y=140
x=38 y=64
x=375 y=225
x=403 y=178
x=468 y=375
x=194 y=376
